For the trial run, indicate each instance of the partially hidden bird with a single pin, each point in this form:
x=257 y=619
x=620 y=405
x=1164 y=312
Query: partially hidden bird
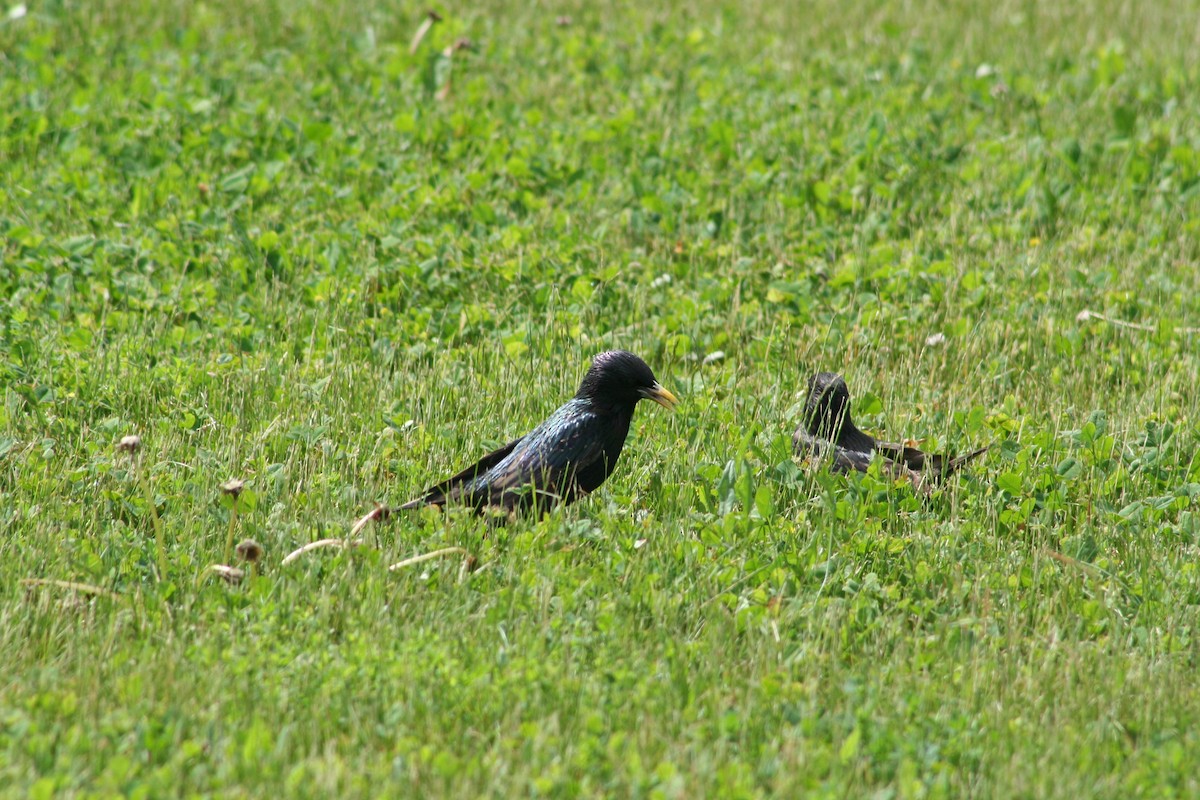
x=828 y=431
x=564 y=458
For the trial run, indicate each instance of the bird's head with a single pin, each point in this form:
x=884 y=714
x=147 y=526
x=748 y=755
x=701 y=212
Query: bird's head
x=828 y=406
x=618 y=378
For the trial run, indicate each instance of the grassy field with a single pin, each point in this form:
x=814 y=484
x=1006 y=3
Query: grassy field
x=278 y=246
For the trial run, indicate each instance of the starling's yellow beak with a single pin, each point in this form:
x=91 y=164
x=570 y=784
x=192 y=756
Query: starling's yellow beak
x=661 y=396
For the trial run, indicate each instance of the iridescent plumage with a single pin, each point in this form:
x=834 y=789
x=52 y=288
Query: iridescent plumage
x=568 y=455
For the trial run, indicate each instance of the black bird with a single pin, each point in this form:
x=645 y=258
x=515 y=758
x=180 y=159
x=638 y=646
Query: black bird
x=827 y=426
x=568 y=455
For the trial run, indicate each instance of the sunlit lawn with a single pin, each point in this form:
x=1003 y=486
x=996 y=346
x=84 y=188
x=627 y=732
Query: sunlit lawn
x=280 y=247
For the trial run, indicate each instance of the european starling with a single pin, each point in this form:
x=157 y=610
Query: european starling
x=827 y=426
x=568 y=455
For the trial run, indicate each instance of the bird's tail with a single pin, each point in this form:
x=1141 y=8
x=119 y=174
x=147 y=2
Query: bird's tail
x=955 y=463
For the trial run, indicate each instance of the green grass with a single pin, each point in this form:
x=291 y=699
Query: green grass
x=265 y=238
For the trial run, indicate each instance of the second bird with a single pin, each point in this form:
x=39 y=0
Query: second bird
x=827 y=426
x=568 y=455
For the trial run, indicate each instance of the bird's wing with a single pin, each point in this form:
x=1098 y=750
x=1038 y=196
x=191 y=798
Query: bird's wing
x=912 y=457
x=844 y=460
x=547 y=463
x=840 y=458
x=920 y=461
x=450 y=488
